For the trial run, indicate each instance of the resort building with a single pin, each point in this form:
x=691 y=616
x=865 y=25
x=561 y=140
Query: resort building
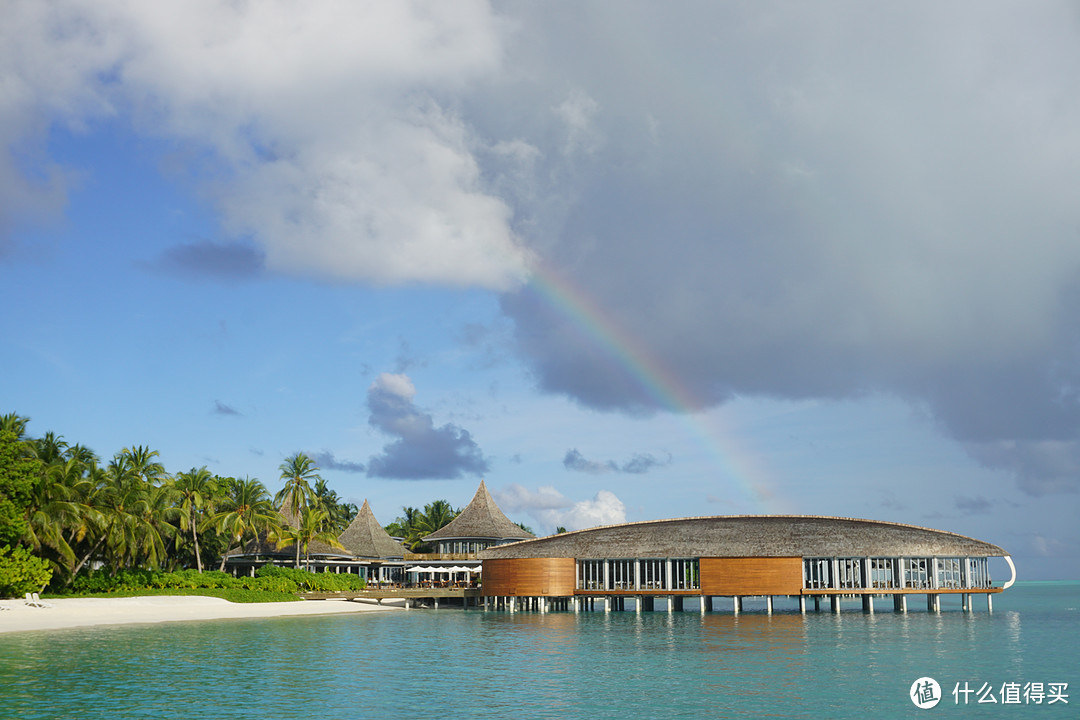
x=455 y=561
x=368 y=551
x=479 y=526
x=803 y=557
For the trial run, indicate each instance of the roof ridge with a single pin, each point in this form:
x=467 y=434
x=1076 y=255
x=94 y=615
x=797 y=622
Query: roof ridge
x=481 y=518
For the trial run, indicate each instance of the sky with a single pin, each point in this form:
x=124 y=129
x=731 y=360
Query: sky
x=622 y=260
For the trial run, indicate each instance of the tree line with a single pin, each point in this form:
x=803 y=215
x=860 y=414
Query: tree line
x=64 y=511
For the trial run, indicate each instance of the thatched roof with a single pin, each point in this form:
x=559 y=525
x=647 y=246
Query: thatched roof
x=262 y=546
x=750 y=536
x=366 y=538
x=482 y=518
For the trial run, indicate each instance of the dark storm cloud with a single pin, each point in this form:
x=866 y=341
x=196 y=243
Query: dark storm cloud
x=327 y=461
x=884 y=211
x=421 y=450
x=207 y=259
x=1042 y=466
x=637 y=465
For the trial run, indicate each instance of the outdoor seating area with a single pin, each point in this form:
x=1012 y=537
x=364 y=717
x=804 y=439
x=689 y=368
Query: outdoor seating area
x=453 y=576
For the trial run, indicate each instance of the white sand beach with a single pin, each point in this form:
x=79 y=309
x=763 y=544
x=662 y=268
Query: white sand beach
x=83 y=612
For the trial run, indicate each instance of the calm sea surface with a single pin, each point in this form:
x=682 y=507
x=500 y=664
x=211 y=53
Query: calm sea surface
x=455 y=664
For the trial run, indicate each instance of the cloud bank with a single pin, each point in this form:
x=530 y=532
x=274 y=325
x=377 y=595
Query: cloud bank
x=783 y=202
x=759 y=200
x=639 y=464
x=326 y=461
x=326 y=133
x=421 y=450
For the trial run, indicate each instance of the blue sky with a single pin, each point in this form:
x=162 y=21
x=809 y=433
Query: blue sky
x=622 y=261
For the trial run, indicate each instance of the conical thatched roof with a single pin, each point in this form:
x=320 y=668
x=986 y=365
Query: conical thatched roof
x=482 y=518
x=366 y=538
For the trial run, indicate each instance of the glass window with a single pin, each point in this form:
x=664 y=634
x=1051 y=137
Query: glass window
x=590 y=574
x=949 y=573
x=684 y=574
x=978 y=573
x=916 y=573
x=653 y=574
x=883 y=573
x=817 y=573
x=850 y=572
x=621 y=574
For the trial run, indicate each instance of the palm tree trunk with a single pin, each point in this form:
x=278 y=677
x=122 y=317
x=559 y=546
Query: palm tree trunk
x=87 y=557
x=225 y=556
x=195 y=537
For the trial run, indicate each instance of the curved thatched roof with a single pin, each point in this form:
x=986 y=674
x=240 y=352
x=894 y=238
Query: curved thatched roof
x=750 y=536
x=366 y=538
x=481 y=519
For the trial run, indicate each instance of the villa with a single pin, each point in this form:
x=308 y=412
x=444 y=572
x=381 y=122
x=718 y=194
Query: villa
x=798 y=556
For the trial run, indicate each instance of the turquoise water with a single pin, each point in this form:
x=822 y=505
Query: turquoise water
x=455 y=664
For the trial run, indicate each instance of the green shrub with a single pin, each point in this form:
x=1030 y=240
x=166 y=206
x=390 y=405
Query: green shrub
x=278 y=584
x=313 y=582
x=269 y=578
x=22 y=572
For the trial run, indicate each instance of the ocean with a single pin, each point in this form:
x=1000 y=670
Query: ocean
x=452 y=663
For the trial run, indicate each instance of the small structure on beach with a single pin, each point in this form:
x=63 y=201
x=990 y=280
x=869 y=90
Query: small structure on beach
x=805 y=557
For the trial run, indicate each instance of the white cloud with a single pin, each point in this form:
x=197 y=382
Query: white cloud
x=395 y=384
x=325 y=125
x=552 y=509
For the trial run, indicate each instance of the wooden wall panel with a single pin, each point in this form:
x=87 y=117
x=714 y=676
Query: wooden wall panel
x=751 y=576
x=529 y=577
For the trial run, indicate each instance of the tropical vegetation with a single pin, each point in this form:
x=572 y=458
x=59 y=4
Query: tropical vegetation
x=68 y=519
x=414 y=524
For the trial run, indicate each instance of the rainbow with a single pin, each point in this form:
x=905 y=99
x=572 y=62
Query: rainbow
x=665 y=388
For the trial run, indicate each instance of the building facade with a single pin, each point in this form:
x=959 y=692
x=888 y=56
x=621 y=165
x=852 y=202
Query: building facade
x=739 y=556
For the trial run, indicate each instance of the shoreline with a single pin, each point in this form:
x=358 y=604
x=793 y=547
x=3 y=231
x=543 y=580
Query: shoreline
x=91 y=612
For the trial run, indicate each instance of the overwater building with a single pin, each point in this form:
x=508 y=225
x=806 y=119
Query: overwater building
x=803 y=557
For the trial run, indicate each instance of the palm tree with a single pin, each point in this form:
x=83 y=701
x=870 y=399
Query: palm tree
x=311 y=526
x=130 y=535
x=15 y=423
x=298 y=472
x=341 y=514
x=246 y=511
x=140 y=463
x=196 y=489
x=49 y=449
x=437 y=514
x=56 y=513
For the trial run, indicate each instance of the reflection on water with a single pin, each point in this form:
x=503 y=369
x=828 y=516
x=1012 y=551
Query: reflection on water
x=449 y=663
